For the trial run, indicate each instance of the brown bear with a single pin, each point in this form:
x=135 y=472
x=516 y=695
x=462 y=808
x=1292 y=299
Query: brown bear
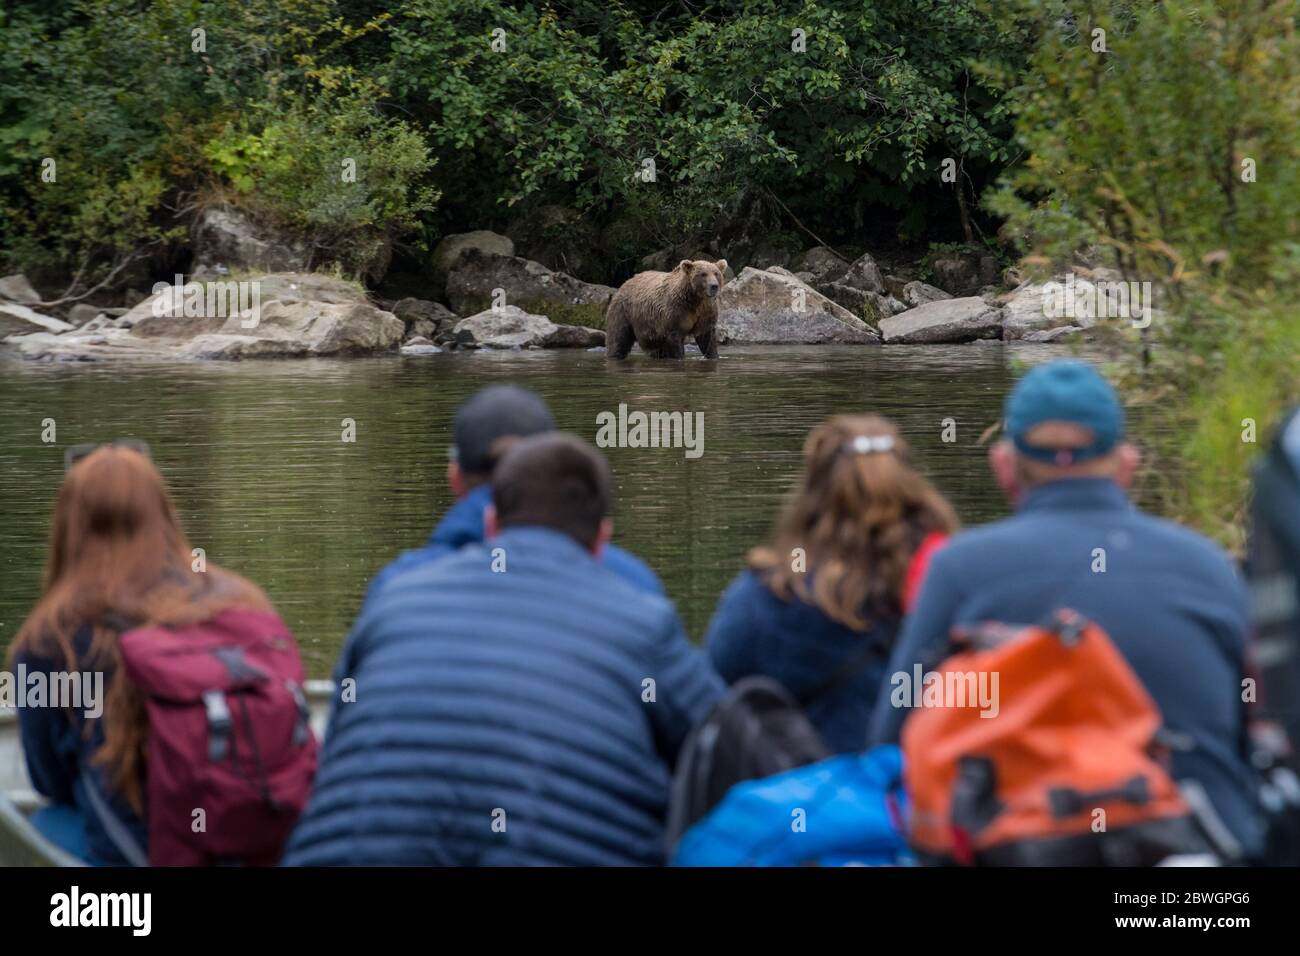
x=659 y=310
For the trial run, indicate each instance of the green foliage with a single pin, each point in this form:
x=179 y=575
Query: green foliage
x=1258 y=379
x=1145 y=151
x=143 y=124
x=851 y=127
x=289 y=166
x=717 y=99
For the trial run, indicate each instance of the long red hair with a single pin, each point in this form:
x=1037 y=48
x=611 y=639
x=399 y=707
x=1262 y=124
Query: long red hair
x=118 y=553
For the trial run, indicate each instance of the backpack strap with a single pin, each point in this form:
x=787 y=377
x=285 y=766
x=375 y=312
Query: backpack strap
x=849 y=668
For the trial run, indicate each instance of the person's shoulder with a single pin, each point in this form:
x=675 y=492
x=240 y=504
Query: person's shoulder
x=749 y=591
x=413 y=567
x=614 y=587
x=632 y=569
x=1186 y=543
x=747 y=584
x=974 y=544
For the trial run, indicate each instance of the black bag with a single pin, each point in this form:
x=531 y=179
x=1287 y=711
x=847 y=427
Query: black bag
x=756 y=730
x=1274 y=573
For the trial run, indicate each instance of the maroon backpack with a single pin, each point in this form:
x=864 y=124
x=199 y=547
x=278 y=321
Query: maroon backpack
x=229 y=735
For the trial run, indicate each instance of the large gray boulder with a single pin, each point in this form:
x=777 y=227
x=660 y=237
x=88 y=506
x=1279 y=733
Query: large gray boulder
x=965 y=273
x=16 y=288
x=156 y=316
x=296 y=315
x=864 y=274
x=530 y=285
x=918 y=293
x=511 y=327
x=424 y=318
x=18 y=319
x=769 y=307
x=825 y=265
x=948 y=320
x=294 y=329
x=1023 y=312
x=1030 y=309
x=449 y=250
x=226 y=239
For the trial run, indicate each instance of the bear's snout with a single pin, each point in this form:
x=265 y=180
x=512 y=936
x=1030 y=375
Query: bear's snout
x=712 y=289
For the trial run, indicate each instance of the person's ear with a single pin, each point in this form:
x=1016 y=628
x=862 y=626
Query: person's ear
x=456 y=480
x=490 y=527
x=1129 y=460
x=603 y=536
x=1002 y=462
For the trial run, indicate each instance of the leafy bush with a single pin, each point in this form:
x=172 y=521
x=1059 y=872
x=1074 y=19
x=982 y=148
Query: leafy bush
x=145 y=120
x=578 y=100
x=842 y=136
x=289 y=166
x=1176 y=152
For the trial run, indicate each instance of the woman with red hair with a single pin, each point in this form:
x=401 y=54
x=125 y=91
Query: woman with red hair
x=118 y=559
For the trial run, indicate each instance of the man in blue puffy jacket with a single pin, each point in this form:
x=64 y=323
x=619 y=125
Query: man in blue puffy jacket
x=515 y=702
x=484 y=424
x=1168 y=598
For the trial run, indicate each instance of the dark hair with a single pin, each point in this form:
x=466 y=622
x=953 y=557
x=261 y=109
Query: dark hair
x=555 y=481
x=493 y=413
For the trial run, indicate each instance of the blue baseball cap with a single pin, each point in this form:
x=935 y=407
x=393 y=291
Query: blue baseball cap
x=1064 y=391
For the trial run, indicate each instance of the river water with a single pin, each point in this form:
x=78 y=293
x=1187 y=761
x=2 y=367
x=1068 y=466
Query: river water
x=254 y=455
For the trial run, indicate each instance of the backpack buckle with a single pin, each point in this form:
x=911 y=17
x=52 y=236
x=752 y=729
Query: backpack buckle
x=303 y=724
x=214 y=702
x=1069 y=626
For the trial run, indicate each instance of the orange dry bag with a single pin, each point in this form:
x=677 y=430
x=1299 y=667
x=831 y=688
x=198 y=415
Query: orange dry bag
x=1061 y=769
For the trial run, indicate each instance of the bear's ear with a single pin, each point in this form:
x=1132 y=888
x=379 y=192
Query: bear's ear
x=686 y=265
x=722 y=266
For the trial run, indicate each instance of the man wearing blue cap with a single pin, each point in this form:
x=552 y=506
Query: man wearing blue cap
x=1169 y=598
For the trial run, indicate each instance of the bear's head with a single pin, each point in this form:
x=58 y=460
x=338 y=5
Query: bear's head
x=705 y=277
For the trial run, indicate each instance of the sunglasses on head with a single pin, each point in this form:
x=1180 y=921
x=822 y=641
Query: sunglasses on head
x=77 y=452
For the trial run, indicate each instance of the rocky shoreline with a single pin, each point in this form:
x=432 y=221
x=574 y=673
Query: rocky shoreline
x=483 y=296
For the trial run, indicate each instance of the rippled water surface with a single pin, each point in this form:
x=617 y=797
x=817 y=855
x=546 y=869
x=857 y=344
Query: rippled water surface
x=253 y=454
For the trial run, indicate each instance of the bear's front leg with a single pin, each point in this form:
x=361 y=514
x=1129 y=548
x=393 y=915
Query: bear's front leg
x=708 y=343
